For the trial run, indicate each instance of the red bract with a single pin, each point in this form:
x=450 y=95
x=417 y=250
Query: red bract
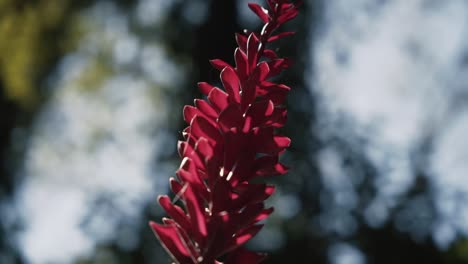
x=230 y=140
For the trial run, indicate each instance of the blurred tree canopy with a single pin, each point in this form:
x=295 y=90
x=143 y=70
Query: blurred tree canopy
x=35 y=35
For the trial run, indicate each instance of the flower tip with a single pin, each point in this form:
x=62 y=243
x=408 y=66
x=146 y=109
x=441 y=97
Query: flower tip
x=205 y=88
x=185 y=163
x=219 y=64
x=270 y=189
x=153 y=225
x=261 y=12
x=161 y=196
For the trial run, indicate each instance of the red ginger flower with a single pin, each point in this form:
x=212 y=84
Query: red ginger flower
x=230 y=140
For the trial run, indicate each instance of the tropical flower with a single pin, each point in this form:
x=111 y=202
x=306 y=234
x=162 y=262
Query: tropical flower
x=230 y=141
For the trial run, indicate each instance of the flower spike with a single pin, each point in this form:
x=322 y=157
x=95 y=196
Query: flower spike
x=229 y=141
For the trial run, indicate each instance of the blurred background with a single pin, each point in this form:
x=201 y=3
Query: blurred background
x=91 y=96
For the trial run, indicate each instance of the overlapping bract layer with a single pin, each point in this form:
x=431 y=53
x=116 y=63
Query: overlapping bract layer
x=230 y=140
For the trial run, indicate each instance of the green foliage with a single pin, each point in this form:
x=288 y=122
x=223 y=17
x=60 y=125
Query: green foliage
x=458 y=252
x=32 y=37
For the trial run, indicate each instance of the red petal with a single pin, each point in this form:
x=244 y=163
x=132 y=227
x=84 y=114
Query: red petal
x=230 y=117
x=218 y=99
x=201 y=127
x=271 y=4
x=282 y=141
x=234 y=144
x=194 y=252
x=261 y=12
x=269 y=166
x=245 y=235
x=259 y=112
x=205 y=88
x=212 y=170
x=261 y=72
x=204 y=149
x=219 y=64
x=281 y=35
x=264 y=214
x=244 y=218
x=190 y=153
x=206 y=108
x=186 y=132
x=285 y=6
x=247 y=124
x=219 y=221
x=241 y=63
x=181 y=148
x=277 y=97
x=172 y=242
x=177 y=188
x=221 y=198
x=278 y=65
x=249 y=91
x=290 y=14
x=231 y=84
x=267 y=143
x=252 y=193
x=249 y=213
x=252 y=214
x=241 y=41
x=189 y=113
x=270 y=54
x=242 y=237
x=274 y=92
x=188 y=173
x=197 y=214
x=175 y=212
x=252 y=50
x=244 y=160
x=278 y=118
